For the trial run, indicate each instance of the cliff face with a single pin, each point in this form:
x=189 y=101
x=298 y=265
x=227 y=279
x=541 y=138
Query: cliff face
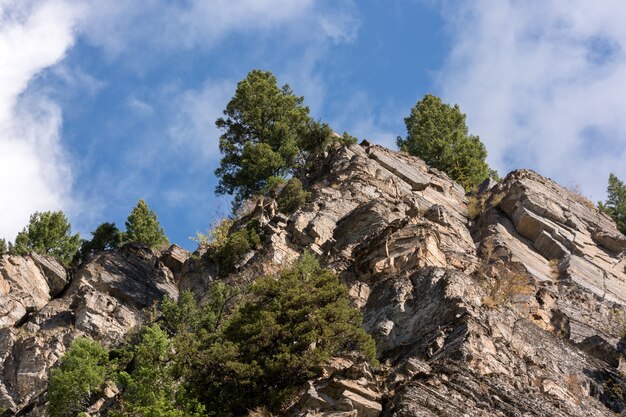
x=520 y=311
x=105 y=300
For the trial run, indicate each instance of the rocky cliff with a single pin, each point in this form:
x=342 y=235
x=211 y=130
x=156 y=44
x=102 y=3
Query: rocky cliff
x=518 y=311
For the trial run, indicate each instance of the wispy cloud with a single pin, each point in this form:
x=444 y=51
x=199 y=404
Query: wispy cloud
x=34 y=171
x=192 y=130
x=543 y=84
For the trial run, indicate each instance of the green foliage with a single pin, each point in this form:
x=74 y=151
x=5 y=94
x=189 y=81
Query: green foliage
x=217 y=234
x=106 y=237
x=79 y=379
x=292 y=196
x=615 y=204
x=317 y=136
x=142 y=226
x=348 y=139
x=475 y=206
x=151 y=389
x=222 y=358
x=48 y=233
x=185 y=316
x=263 y=126
x=494 y=175
x=4 y=250
x=437 y=133
x=236 y=245
x=279 y=338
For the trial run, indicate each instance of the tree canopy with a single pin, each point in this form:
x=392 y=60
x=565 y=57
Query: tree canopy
x=48 y=233
x=262 y=127
x=80 y=377
x=437 y=133
x=276 y=340
x=267 y=134
x=615 y=204
x=142 y=226
x=106 y=237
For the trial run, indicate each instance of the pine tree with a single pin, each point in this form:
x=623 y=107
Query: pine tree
x=48 y=233
x=3 y=247
x=437 y=133
x=615 y=205
x=267 y=134
x=278 y=339
x=106 y=237
x=142 y=226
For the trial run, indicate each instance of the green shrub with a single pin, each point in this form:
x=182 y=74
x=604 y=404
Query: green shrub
x=292 y=196
x=106 y=237
x=278 y=339
x=152 y=389
x=48 y=233
x=78 y=380
x=475 y=206
x=237 y=244
x=217 y=235
x=347 y=139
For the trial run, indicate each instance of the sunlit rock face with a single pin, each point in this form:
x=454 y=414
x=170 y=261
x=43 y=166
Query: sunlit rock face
x=519 y=311
x=106 y=298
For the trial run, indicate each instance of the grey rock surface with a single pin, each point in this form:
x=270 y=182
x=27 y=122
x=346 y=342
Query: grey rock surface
x=105 y=299
x=520 y=311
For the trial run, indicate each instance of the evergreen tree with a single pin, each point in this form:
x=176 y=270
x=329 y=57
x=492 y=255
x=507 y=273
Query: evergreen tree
x=78 y=380
x=615 y=205
x=292 y=196
x=4 y=250
x=278 y=339
x=267 y=132
x=437 y=133
x=48 y=233
x=142 y=226
x=106 y=237
x=152 y=389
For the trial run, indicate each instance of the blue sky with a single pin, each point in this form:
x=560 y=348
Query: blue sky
x=105 y=102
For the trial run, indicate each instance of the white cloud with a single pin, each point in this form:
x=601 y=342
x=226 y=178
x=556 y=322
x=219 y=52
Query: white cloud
x=139 y=107
x=543 y=84
x=34 y=174
x=138 y=26
x=193 y=129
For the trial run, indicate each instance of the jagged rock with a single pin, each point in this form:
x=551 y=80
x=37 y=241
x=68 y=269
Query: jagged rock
x=174 y=258
x=106 y=298
x=54 y=272
x=349 y=389
x=26 y=284
x=523 y=315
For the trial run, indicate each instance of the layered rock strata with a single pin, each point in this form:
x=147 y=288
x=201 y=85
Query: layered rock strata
x=518 y=311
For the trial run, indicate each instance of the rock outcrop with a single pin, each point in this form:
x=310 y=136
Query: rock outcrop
x=105 y=299
x=519 y=311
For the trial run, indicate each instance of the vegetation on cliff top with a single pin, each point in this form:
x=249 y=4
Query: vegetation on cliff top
x=437 y=133
x=268 y=135
x=615 y=204
x=48 y=233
